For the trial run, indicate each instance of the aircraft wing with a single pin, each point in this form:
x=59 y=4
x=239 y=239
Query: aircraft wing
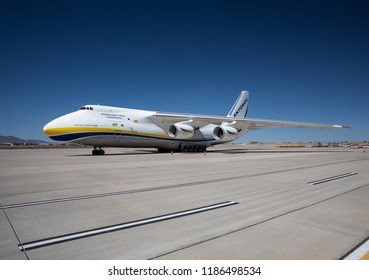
x=261 y=124
x=246 y=123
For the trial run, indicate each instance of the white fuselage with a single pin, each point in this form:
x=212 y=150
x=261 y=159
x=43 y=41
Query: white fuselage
x=105 y=126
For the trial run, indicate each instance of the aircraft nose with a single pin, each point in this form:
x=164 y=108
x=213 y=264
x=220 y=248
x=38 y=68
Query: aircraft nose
x=53 y=127
x=48 y=127
x=56 y=128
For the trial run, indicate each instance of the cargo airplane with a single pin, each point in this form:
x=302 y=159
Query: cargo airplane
x=105 y=126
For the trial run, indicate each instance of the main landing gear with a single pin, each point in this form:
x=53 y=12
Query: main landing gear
x=97 y=151
x=186 y=149
x=194 y=149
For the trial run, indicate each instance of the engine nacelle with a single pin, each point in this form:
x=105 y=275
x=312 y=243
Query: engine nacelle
x=181 y=131
x=225 y=133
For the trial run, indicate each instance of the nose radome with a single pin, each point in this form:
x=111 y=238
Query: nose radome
x=57 y=126
x=51 y=127
x=47 y=128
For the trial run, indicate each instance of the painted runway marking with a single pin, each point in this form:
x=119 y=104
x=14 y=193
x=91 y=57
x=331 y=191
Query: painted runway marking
x=321 y=181
x=365 y=257
x=107 y=229
x=168 y=187
x=360 y=253
x=184 y=247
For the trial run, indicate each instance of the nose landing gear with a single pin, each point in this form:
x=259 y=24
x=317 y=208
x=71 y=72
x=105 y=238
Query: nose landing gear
x=97 y=151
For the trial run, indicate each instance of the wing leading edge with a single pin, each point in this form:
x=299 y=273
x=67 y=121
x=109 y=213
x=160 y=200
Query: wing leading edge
x=255 y=124
x=250 y=124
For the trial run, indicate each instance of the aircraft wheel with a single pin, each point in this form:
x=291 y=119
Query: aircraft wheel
x=98 y=152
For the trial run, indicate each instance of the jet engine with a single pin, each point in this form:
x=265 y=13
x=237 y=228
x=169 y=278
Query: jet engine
x=225 y=133
x=181 y=131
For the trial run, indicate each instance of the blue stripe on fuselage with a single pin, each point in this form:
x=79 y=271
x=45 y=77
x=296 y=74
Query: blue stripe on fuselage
x=75 y=136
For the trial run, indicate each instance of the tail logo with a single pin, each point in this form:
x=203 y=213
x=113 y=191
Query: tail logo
x=240 y=108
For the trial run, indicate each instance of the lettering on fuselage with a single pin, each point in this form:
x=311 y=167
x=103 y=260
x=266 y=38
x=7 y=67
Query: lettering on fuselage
x=113 y=116
x=87 y=125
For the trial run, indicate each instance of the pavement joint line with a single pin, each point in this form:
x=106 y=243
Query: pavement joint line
x=15 y=233
x=107 y=229
x=182 y=185
x=257 y=223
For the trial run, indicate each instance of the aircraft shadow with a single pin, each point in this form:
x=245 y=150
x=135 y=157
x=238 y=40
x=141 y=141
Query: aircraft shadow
x=227 y=151
x=133 y=153
x=247 y=151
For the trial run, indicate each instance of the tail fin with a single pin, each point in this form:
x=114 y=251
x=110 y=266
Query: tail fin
x=239 y=109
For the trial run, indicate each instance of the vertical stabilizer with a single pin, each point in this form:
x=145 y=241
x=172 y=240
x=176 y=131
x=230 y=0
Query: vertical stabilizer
x=239 y=109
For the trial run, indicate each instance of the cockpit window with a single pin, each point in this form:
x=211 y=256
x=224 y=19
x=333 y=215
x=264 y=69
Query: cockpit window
x=83 y=108
x=86 y=108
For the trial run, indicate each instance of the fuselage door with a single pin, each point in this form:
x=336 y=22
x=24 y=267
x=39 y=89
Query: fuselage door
x=117 y=135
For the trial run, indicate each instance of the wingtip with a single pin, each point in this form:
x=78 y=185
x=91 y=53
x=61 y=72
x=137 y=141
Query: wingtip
x=342 y=126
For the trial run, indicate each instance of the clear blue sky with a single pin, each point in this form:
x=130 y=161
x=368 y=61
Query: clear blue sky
x=300 y=60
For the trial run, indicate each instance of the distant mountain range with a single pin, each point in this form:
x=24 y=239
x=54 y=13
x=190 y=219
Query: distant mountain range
x=16 y=140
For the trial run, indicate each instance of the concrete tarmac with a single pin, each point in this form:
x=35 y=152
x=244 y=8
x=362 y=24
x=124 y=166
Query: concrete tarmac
x=235 y=202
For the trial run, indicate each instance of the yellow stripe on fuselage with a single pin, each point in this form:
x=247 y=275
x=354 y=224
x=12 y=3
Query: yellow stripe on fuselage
x=77 y=129
x=81 y=129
